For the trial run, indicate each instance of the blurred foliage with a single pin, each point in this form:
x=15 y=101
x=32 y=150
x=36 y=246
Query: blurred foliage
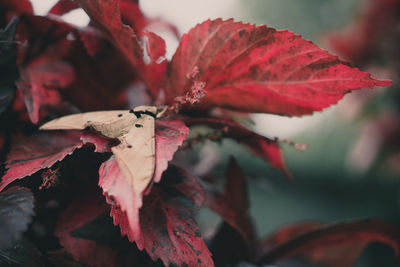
x=325 y=188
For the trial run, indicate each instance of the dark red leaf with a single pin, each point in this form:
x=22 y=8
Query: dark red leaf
x=31 y=154
x=40 y=82
x=260 y=145
x=9 y=9
x=46 y=36
x=168 y=229
x=64 y=6
x=233 y=204
x=106 y=15
x=329 y=245
x=82 y=211
x=93 y=40
x=259 y=69
x=133 y=16
x=94 y=60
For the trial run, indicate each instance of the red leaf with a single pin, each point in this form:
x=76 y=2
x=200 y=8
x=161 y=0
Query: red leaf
x=93 y=40
x=329 y=245
x=164 y=226
x=233 y=204
x=106 y=15
x=168 y=228
x=125 y=203
x=156 y=69
x=60 y=41
x=133 y=16
x=42 y=150
x=39 y=83
x=259 y=69
x=260 y=145
x=80 y=212
x=63 y=7
x=16 y=7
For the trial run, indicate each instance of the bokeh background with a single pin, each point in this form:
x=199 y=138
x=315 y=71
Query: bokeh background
x=349 y=169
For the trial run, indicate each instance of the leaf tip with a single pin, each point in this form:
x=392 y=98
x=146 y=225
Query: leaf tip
x=382 y=82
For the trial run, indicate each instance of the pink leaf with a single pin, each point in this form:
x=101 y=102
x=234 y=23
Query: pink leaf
x=169 y=136
x=259 y=69
x=125 y=204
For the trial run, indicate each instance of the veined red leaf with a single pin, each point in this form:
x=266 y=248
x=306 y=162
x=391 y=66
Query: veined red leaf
x=39 y=84
x=31 y=154
x=259 y=69
x=329 y=245
x=260 y=145
x=125 y=202
x=233 y=204
x=77 y=214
